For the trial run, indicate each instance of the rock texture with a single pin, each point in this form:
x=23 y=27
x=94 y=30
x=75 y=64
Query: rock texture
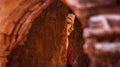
x=46 y=44
x=16 y=19
x=79 y=58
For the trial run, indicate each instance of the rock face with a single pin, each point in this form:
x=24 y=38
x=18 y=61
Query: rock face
x=46 y=42
x=79 y=58
x=16 y=19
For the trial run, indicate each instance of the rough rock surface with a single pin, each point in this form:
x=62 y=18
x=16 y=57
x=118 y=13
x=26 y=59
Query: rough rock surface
x=79 y=58
x=46 y=44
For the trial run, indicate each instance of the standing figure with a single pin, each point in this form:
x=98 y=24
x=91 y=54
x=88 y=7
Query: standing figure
x=70 y=19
